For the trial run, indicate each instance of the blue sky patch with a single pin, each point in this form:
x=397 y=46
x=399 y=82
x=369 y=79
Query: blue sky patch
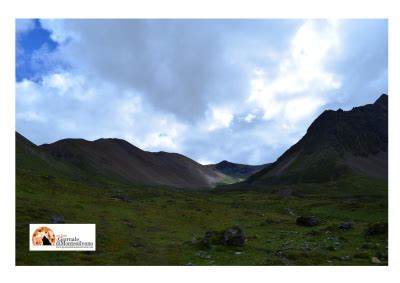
x=28 y=46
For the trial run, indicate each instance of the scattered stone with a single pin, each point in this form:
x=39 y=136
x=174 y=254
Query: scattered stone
x=346 y=225
x=57 y=219
x=375 y=260
x=137 y=245
x=189 y=264
x=253 y=237
x=48 y=177
x=119 y=198
x=331 y=248
x=288 y=210
x=331 y=228
x=202 y=254
x=268 y=221
x=235 y=205
x=345 y=258
x=238 y=253
x=376 y=229
x=233 y=236
x=307 y=221
x=205 y=242
x=313 y=233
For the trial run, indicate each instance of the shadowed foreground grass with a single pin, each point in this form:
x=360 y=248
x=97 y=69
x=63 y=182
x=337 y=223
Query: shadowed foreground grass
x=139 y=225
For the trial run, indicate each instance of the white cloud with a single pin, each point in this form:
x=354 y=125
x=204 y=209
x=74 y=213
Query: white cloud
x=297 y=109
x=220 y=118
x=58 y=32
x=249 y=117
x=60 y=82
x=201 y=88
x=302 y=84
x=64 y=98
x=30 y=116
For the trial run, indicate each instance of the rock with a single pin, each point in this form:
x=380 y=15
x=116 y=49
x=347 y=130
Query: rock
x=253 y=237
x=235 y=205
x=345 y=258
x=137 y=245
x=238 y=253
x=307 y=221
x=376 y=229
x=233 y=236
x=346 y=225
x=206 y=241
x=119 y=198
x=57 y=219
x=375 y=260
x=366 y=246
x=288 y=210
x=331 y=248
x=202 y=254
x=272 y=221
x=313 y=233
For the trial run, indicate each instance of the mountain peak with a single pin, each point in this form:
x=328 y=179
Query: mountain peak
x=336 y=143
x=382 y=100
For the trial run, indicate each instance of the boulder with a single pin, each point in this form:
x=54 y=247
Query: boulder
x=233 y=236
x=308 y=221
x=346 y=225
x=202 y=254
x=57 y=219
x=375 y=260
x=376 y=229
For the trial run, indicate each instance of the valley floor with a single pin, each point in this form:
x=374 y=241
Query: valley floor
x=159 y=226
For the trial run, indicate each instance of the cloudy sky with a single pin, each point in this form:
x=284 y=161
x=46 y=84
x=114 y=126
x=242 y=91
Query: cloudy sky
x=237 y=90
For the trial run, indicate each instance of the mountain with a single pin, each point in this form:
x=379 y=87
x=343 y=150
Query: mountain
x=236 y=170
x=336 y=144
x=116 y=158
x=30 y=158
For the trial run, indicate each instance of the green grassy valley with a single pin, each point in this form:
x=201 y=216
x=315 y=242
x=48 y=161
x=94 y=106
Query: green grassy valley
x=143 y=225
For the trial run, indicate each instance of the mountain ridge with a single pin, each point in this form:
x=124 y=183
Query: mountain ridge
x=236 y=170
x=335 y=144
x=121 y=158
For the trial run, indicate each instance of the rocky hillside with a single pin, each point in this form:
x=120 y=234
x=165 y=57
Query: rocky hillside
x=236 y=170
x=337 y=143
x=118 y=158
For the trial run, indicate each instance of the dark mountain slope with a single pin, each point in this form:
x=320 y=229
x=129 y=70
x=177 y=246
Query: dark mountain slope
x=116 y=157
x=337 y=143
x=236 y=170
x=30 y=158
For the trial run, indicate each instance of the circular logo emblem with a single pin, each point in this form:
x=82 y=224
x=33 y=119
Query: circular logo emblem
x=43 y=236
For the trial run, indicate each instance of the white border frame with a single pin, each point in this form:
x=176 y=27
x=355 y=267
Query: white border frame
x=190 y=9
